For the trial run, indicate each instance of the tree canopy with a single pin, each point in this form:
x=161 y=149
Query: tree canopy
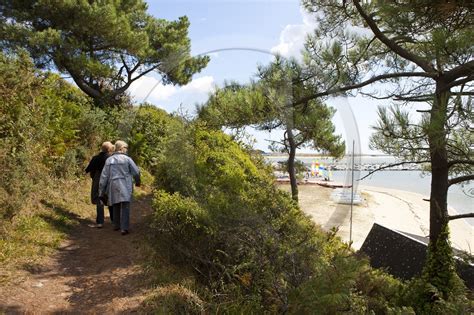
x=104 y=46
x=424 y=50
x=268 y=104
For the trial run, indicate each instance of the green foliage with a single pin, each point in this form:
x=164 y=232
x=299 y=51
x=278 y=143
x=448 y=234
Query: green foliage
x=17 y=133
x=246 y=239
x=194 y=225
x=176 y=172
x=346 y=284
x=430 y=34
x=274 y=103
x=439 y=290
x=47 y=130
x=104 y=45
x=225 y=225
x=397 y=133
x=150 y=128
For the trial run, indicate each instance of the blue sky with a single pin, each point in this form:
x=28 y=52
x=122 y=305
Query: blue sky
x=268 y=26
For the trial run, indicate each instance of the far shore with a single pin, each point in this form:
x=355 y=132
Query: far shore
x=395 y=209
x=277 y=154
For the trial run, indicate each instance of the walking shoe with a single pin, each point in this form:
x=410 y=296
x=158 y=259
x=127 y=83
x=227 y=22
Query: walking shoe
x=124 y=232
x=99 y=226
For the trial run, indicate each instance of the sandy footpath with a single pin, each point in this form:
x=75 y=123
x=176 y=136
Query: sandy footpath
x=400 y=210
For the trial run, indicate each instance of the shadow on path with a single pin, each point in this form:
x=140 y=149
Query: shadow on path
x=94 y=270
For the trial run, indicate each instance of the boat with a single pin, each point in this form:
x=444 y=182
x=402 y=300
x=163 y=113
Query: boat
x=332 y=184
x=343 y=196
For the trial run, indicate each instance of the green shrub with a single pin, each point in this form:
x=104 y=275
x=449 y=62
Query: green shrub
x=21 y=150
x=219 y=212
x=429 y=293
x=345 y=284
x=48 y=130
x=150 y=129
x=185 y=220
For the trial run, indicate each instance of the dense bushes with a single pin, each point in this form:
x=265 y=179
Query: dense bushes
x=48 y=130
x=219 y=212
x=149 y=129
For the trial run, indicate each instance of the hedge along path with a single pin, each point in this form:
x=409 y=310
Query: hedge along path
x=94 y=271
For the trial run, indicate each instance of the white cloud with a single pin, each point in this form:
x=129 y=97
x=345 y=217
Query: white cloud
x=169 y=97
x=293 y=36
x=200 y=85
x=151 y=89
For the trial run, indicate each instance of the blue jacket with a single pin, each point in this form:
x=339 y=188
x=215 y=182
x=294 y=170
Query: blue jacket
x=116 y=178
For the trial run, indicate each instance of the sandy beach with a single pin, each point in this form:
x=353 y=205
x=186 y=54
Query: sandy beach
x=396 y=209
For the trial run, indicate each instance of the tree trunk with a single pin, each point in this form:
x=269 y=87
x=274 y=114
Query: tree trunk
x=101 y=98
x=291 y=165
x=439 y=268
x=439 y=165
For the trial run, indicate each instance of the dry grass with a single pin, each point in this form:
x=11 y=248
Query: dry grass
x=175 y=298
x=38 y=229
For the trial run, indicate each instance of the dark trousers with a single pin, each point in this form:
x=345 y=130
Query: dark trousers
x=99 y=219
x=122 y=215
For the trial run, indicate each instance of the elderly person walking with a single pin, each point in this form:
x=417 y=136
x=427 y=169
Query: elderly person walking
x=95 y=169
x=116 y=183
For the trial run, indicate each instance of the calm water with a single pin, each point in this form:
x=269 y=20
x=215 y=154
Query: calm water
x=413 y=181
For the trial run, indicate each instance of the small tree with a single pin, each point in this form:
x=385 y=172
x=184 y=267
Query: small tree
x=104 y=46
x=268 y=104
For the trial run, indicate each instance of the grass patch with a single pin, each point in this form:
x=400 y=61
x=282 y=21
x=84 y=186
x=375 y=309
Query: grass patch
x=174 y=299
x=176 y=290
x=41 y=226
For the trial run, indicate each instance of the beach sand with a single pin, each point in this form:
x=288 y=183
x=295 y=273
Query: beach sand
x=395 y=209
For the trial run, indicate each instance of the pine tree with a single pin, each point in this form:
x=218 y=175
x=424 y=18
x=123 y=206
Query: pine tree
x=104 y=46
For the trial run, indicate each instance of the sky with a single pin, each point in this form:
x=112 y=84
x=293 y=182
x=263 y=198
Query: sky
x=238 y=36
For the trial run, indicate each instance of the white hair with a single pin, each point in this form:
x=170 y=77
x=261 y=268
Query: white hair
x=121 y=146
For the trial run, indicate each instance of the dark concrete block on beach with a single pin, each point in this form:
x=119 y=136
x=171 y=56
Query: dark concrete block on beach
x=403 y=254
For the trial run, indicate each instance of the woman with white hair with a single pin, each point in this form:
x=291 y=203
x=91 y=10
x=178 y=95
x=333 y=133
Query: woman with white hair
x=95 y=169
x=116 y=185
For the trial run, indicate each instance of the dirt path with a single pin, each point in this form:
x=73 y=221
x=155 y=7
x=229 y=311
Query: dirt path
x=94 y=271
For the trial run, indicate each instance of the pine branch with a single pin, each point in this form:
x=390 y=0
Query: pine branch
x=362 y=84
x=275 y=141
x=459 y=82
x=392 y=165
x=461 y=216
x=466 y=69
x=460 y=179
x=454 y=162
x=424 y=64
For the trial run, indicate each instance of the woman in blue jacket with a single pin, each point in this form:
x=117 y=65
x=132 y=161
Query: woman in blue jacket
x=116 y=183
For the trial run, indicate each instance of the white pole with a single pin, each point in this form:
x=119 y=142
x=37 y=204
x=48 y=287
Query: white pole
x=352 y=192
